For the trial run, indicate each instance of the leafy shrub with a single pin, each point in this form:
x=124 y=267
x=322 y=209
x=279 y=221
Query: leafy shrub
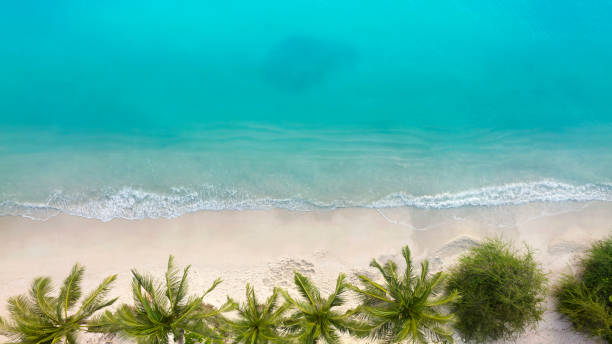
x=597 y=269
x=501 y=292
x=586 y=300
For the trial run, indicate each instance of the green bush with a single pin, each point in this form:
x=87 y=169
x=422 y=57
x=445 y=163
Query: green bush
x=586 y=299
x=501 y=292
x=597 y=268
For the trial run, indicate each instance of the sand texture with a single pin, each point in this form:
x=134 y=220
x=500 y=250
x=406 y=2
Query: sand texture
x=265 y=247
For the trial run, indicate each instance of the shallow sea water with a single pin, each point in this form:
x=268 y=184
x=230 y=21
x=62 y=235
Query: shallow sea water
x=157 y=108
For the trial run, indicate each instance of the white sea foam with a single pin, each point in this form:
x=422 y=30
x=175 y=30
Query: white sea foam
x=133 y=203
x=507 y=194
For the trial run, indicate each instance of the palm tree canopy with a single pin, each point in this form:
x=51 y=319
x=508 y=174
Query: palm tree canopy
x=258 y=323
x=406 y=307
x=160 y=309
x=39 y=318
x=314 y=319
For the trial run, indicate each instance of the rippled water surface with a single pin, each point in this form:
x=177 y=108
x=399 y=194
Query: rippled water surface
x=156 y=108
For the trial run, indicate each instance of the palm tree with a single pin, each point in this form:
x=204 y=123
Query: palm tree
x=258 y=323
x=39 y=318
x=406 y=308
x=315 y=320
x=161 y=309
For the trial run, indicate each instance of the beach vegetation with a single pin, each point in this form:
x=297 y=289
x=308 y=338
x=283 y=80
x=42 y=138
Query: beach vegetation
x=316 y=319
x=41 y=318
x=406 y=306
x=494 y=292
x=257 y=322
x=162 y=310
x=596 y=268
x=585 y=298
x=501 y=290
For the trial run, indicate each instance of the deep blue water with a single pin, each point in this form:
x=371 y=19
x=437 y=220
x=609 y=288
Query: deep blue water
x=156 y=108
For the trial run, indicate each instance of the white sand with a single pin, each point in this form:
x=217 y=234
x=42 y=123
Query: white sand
x=264 y=247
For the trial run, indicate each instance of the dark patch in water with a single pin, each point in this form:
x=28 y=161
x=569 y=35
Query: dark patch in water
x=298 y=63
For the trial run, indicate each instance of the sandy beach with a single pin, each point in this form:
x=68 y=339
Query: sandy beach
x=265 y=247
x=254 y=139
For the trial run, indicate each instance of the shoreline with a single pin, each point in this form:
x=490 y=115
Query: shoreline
x=264 y=247
x=131 y=203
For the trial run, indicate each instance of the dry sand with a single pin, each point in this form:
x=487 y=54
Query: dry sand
x=265 y=247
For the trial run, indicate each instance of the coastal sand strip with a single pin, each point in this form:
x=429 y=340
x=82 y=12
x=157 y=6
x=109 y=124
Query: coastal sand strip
x=265 y=247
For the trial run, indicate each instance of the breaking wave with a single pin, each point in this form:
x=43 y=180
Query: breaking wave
x=133 y=203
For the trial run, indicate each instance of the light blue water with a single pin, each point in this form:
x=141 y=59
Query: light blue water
x=156 y=108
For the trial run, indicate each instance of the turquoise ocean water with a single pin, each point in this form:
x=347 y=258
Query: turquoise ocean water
x=135 y=109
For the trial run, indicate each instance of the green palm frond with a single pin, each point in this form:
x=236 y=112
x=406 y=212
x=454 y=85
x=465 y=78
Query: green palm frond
x=176 y=288
x=95 y=300
x=406 y=307
x=162 y=309
x=70 y=292
x=43 y=303
x=314 y=318
x=258 y=323
x=307 y=289
x=39 y=318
